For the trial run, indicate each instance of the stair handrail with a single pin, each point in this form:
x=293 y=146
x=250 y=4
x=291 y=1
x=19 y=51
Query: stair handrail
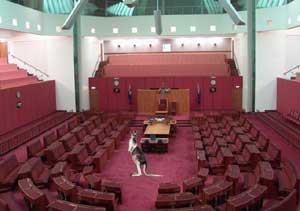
x=27 y=64
x=96 y=65
x=291 y=69
x=236 y=64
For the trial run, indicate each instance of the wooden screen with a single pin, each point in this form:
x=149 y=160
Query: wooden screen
x=148 y=100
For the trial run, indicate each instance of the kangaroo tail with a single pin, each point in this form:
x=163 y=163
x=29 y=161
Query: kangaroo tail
x=149 y=175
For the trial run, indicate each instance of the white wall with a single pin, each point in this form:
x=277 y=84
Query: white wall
x=90 y=53
x=271 y=63
x=276 y=52
x=241 y=58
x=52 y=55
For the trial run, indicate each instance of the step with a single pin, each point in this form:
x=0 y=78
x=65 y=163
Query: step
x=9 y=83
x=8 y=67
x=12 y=74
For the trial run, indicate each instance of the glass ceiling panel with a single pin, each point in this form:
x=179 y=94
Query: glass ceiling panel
x=143 y=7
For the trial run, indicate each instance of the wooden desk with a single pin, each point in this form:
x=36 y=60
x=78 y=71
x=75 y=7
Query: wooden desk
x=32 y=194
x=59 y=205
x=160 y=129
x=65 y=188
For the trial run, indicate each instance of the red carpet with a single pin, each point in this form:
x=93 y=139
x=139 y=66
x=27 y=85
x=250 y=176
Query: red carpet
x=139 y=193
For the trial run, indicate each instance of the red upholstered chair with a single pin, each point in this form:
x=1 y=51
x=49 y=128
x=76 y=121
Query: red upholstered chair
x=9 y=172
x=35 y=149
x=163 y=105
x=3 y=205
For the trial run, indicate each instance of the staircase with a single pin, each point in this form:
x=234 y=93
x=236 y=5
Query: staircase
x=12 y=76
x=233 y=67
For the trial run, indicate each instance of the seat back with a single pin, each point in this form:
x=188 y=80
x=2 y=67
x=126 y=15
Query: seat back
x=7 y=166
x=163 y=105
x=3 y=205
x=288 y=203
x=50 y=138
x=69 y=140
x=274 y=152
x=34 y=148
x=62 y=130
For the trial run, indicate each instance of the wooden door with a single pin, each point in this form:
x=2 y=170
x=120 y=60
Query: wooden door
x=3 y=50
x=237 y=99
x=94 y=100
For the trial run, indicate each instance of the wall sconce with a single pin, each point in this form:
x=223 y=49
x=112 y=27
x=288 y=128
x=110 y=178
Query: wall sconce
x=215 y=44
x=198 y=44
x=134 y=45
x=150 y=45
x=93 y=88
x=119 y=46
x=182 y=44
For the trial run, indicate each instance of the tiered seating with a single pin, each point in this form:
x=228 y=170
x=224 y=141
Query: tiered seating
x=24 y=134
x=77 y=148
x=159 y=65
x=282 y=126
x=11 y=76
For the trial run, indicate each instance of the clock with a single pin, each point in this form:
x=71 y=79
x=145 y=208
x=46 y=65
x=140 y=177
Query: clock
x=116 y=82
x=213 y=82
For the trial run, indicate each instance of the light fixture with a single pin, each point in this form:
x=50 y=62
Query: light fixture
x=0 y=19
x=213 y=28
x=119 y=46
x=182 y=44
x=115 y=30
x=93 y=30
x=289 y=20
x=134 y=45
x=58 y=29
x=173 y=28
x=153 y=29
x=27 y=25
x=14 y=22
x=93 y=87
x=150 y=45
x=198 y=44
x=38 y=27
x=134 y=30
x=215 y=44
x=193 y=28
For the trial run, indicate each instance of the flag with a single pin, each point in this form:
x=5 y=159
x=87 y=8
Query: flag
x=129 y=94
x=198 y=94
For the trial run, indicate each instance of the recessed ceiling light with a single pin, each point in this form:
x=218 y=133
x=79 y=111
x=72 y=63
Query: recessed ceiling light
x=93 y=30
x=213 y=28
x=58 y=29
x=27 y=25
x=134 y=30
x=193 y=28
x=38 y=27
x=173 y=28
x=14 y=22
x=115 y=30
x=153 y=29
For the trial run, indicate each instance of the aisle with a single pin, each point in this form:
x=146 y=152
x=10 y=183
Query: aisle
x=139 y=193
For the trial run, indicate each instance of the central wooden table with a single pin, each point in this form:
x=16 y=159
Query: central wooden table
x=158 y=129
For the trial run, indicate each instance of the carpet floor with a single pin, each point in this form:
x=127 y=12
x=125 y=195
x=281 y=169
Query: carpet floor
x=139 y=193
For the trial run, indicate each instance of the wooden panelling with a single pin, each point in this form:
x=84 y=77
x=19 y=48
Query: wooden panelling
x=148 y=100
x=3 y=49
